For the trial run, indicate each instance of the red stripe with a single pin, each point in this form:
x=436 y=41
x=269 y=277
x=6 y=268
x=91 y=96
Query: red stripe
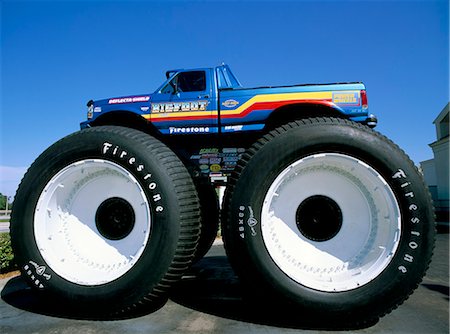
x=253 y=107
x=274 y=105
x=182 y=118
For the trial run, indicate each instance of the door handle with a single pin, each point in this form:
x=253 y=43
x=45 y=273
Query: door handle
x=203 y=96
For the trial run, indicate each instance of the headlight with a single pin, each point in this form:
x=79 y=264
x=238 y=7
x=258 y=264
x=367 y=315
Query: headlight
x=90 y=111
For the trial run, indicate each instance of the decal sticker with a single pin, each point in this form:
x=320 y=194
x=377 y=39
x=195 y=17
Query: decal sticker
x=132 y=99
x=249 y=127
x=209 y=150
x=215 y=168
x=346 y=98
x=234 y=128
x=189 y=130
x=215 y=160
x=230 y=103
x=210 y=155
x=231 y=159
x=231 y=163
x=228 y=168
x=179 y=106
x=192 y=130
x=145 y=108
x=261 y=102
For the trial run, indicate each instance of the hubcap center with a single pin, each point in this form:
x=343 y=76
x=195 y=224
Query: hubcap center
x=319 y=218
x=115 y=218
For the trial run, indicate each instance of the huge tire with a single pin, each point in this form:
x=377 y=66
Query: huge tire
x=331 y=218
x=105 y=220
x=209 y=208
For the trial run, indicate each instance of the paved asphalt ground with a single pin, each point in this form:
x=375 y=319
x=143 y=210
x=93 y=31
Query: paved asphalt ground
x=208 y=300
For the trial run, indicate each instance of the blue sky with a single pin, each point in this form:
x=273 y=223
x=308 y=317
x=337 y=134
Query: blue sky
x=56 y=55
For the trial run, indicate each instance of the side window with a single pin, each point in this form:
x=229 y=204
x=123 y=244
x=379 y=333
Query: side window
x=194 y=81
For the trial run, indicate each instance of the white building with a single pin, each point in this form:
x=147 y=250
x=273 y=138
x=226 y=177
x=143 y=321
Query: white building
x=436 y=170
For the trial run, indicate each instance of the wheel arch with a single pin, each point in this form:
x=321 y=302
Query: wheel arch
x=297 y=111
x=126 y=119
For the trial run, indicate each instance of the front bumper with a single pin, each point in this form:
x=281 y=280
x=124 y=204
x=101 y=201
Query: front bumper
x=85 y=125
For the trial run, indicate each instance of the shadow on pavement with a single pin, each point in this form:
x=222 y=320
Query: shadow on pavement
x=17 y=294
x=442 y=289
x=212 y=287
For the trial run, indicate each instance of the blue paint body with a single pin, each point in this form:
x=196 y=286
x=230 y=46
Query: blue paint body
x=209 y=119
x=223 y=94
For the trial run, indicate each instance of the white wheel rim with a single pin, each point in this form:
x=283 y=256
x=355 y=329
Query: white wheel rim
x=65 y=224
x=364 y=244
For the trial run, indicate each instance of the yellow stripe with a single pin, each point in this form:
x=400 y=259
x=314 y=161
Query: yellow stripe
x=243 y=107
x=180 y=114
x=279 y=97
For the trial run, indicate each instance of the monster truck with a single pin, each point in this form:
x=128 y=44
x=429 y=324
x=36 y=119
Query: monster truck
x=321 y=213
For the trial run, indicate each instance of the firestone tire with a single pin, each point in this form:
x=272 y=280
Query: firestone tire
x=330 y=218
x=105 y=221
x=209 y=208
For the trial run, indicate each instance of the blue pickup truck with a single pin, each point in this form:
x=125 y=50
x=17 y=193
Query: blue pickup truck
x=323 y=217
x=212 y=102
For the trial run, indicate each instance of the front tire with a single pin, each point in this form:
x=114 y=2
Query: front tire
x=331 y=217
x=106 y=220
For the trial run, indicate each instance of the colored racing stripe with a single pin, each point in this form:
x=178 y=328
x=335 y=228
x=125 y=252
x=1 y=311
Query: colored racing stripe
x=258 y=102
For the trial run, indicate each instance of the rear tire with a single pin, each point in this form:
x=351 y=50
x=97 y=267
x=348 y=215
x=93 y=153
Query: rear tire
x=106 y=220
x=330 y=218
x=209 y=208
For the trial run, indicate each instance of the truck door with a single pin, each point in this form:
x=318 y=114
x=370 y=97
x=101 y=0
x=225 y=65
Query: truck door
x=187 y=104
